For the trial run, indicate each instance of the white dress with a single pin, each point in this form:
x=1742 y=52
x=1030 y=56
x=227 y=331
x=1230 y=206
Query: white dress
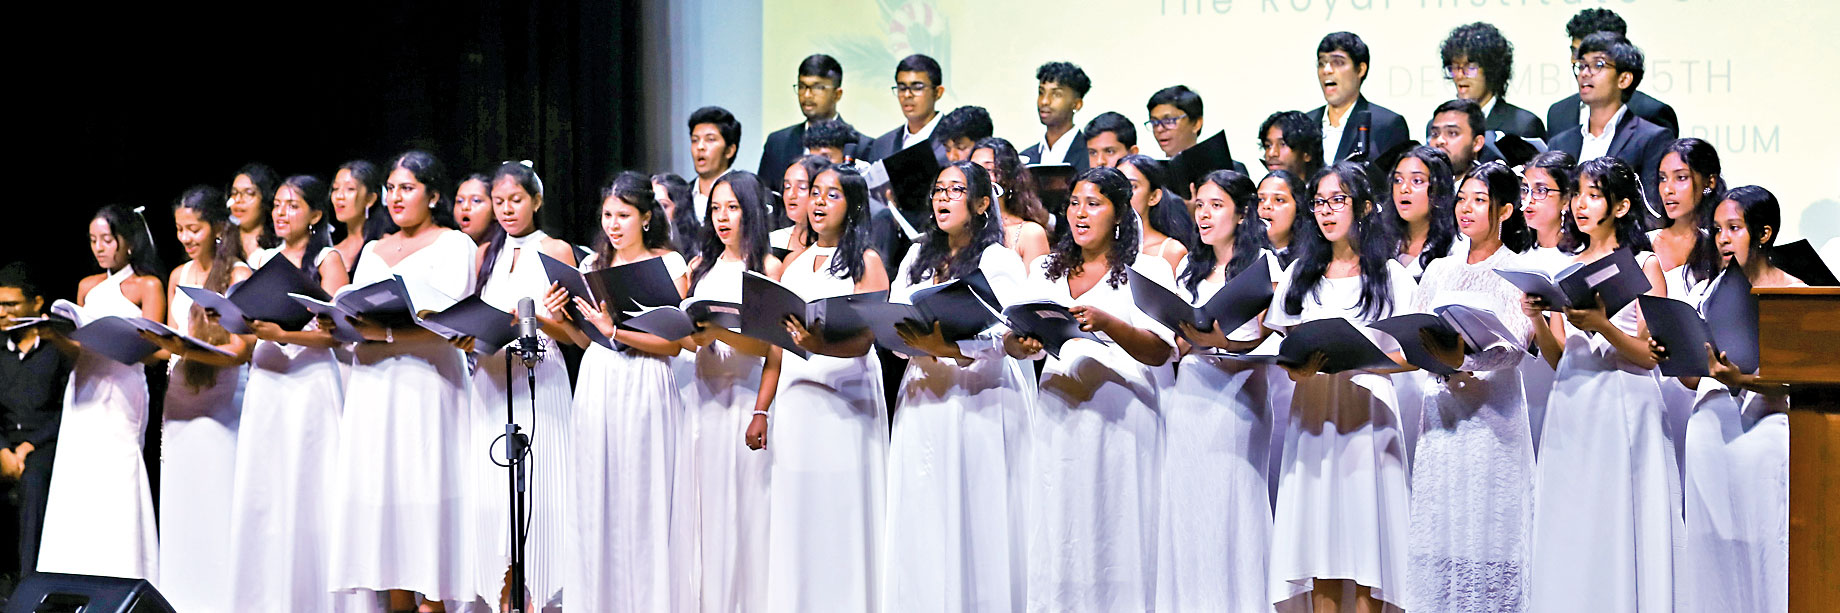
x=99 y=510
x=1343 y=491
x=197 y=473
x=404 y=462
x=1215 y=519
x=546 y=473
x=727 y=483
x=1410 y=387
x=1097 y=450
x=948 y=531
x=625 y=428
x=1536 y=372
x=1606 y=497
x=830 y=444
x=280 y=508
x=1472 y=479
x=1679 y=401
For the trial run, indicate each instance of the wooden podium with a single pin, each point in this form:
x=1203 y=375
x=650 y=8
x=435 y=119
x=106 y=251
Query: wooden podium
x=1799 y=345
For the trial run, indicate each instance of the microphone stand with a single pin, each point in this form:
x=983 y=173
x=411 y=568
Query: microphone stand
x=517 y=447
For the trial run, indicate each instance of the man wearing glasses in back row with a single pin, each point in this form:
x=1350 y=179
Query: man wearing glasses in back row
x=918 y=86
x=820 y=88
x=1608 y=70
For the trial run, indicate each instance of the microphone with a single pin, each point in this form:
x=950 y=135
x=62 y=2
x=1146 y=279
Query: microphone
x=527 y=330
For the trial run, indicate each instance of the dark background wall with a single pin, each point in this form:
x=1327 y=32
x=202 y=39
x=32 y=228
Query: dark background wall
x=137 y=104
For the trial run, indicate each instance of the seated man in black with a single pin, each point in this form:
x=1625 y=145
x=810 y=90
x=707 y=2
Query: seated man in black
x=831 y=138
x=1176 y=121
x=1609 y=69
x=1109 y=137
x=820 y=88
x=32 y=378
x=963 y=127
x=1567 y=113
x=917 y=88
x=1479 y=61
x=1291 y=141
x=1457 y=129
x=1060 y=91
x=1349 y=123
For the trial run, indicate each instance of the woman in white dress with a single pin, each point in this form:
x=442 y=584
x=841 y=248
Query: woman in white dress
x=1097 y=438
x=202 y=409
x=1690 y=186
x=1606 y=496
x=1472 y=477
x=360 y=214
x=1421 y=206
x=1025 y=221
x=473 y=209
x=1340 y=533
x=252 y=195
x=1737 y=479
x=624 y=427
x=1167 y=229
x=99 y=511
x=949 y=546
x=1547 y=187
x=1280 y=193
x=726 y=483
x=404 y=459
x=830 y=422
x=511 y=268
x=280 y=509
x=1215 y=520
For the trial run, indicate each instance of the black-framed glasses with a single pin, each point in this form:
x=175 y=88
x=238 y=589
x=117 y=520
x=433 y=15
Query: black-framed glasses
x=812 y=89
x=952 y=193
x=1537 y=193
x=909 y=89
x=1470 y=69
x=1334 y=204
x=1581 y=67
x=1165 y=122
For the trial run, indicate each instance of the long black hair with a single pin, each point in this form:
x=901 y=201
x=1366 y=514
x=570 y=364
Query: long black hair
x=635 y=190
x=131 y=234
x=1019 y=197
x=1065 y=257
x=936 y=259
x=1167 y=215
x=1373 y=242
x=1248 y=232
x=527 y=180
x=752 y=196
x=1703 y=160
x=1441 y=190
x=319 y=236
x=266 y=181
x=1618 y=181
x=208 y=204
x=685 y=229
x=376 y=216
x=848 y=261
x=1504 y=190
x=1299 y=187
x=1760 y=209
x=814 y=165
x=429 y=171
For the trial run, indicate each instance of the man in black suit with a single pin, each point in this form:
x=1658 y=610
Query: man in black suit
x=831 y=138
x=1351 y=124
x=820 y=88
x=1176 y=121
x=1565 y=113
x=1609 y=69
x=917 y=87
x=1457 y=130
x=715 y=136
x=1479 y=61
x=32 y=378
x=1060 y=91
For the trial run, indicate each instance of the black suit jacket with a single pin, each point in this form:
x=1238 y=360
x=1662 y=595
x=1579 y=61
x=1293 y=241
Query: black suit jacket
x=1514 y=120
x=1638 y=143
x=787 y=144
x=1385 y=129
x=890 y=144
x=32 y=394
x=1563 y=114
x=1076 y=154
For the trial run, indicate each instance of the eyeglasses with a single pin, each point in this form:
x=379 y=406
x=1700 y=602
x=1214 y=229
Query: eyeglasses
x=1581 y=67
x=1334 y=204
x=802 y=88
x=902 y=89
x=1538 y=192
x=1466 y=70
x=950 y=192
x=1335 y=62
x=1166 y=122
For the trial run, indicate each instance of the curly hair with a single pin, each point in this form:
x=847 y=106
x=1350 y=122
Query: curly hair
x=1594 y=20
x=1064 y=73
x=1483 y=44
x=1019 y=197
x=1065 y=258
x=1300 y=134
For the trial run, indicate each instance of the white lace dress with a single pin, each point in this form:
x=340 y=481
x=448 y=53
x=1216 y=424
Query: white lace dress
x=1472 y=478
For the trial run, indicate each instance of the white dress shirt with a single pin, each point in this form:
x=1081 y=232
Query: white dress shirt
x=1596 y=146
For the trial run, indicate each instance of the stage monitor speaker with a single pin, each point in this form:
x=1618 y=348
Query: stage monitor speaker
x=60 y=593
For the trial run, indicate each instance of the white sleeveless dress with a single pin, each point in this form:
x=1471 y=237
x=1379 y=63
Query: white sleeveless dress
x=829 y=438
x=404 y=463
x=1343 y=491
x=950 y=516
x=280 y=507
x=1472 y=478
x=1096 y=468
x=197 y=473
x=624 y=430
x=99 y=511
x=726 y=484
x=1214 y=527
x=1536 y=372
x=1607 y=517
x=545 y=552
